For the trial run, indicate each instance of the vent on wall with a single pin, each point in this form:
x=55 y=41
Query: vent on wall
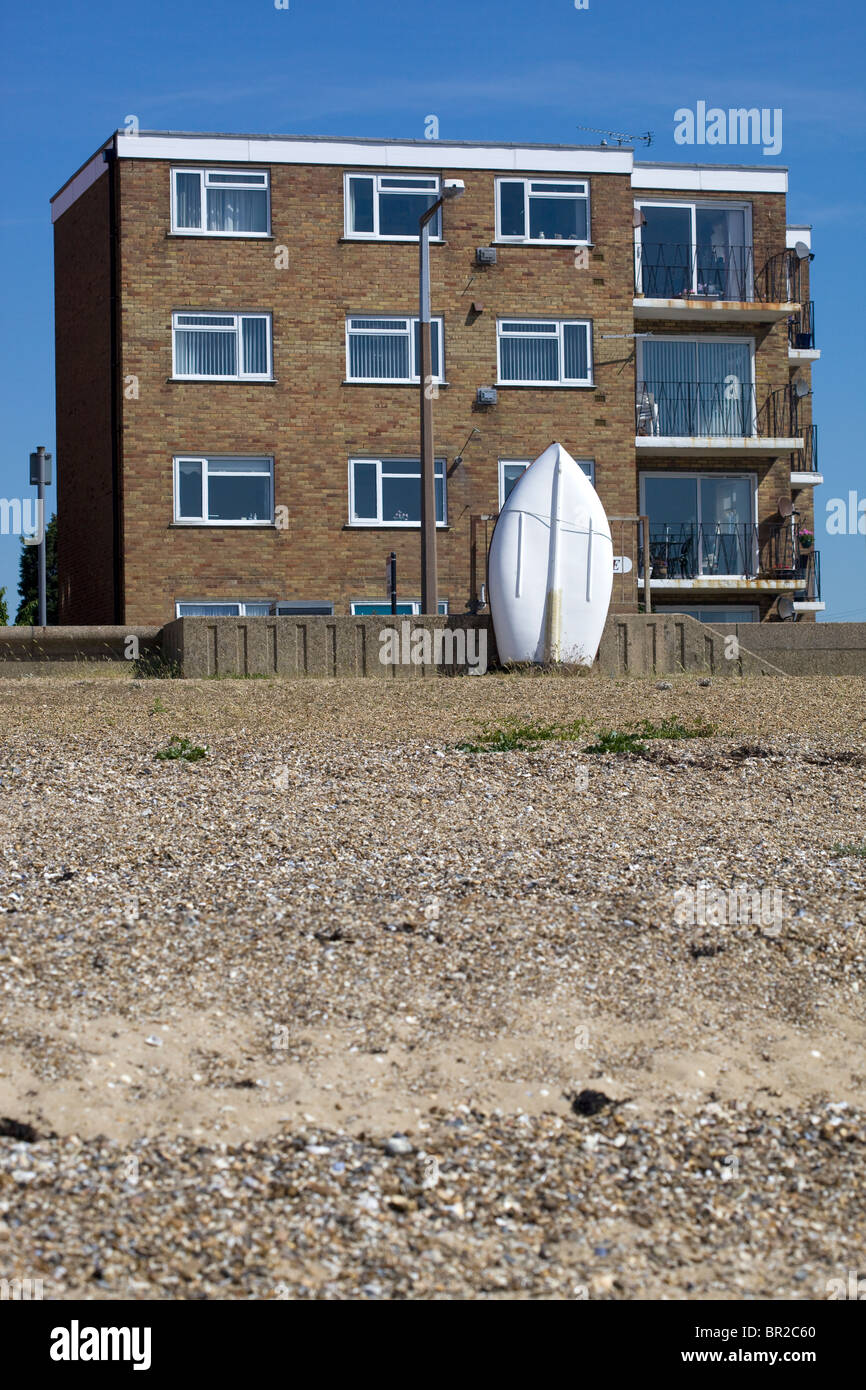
x=485 y=255
x=486 y=395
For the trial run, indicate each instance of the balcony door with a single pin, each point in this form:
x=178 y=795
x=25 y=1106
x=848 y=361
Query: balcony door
x=722 y=255
x=665 y=251
x=696 y=386
x=693 y=248
x=700 y=524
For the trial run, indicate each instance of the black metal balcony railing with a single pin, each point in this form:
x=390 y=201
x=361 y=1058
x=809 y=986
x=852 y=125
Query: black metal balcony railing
x=670 y=270
x=806 y=459
x=809 y=570
x=779 y=415
x=718 y=409
x=778 y=280
x=801 y=327
x=744 y=550
x=677 y=270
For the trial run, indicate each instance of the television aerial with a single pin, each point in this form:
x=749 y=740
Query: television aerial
x=619 y=136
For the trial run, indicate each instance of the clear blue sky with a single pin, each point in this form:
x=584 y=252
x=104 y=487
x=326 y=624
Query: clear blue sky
x=530 y=70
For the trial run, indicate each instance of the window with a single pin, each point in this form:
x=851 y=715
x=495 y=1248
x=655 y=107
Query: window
x=703 y=249
x=217 y=608
x=389 y=349
x=714 y=614
x=230 y=347
x=363 y=609
x=385 y=205
x=695 y=386
x=511 y=469
x=221 y=202
x=223 y=491
x=544 y=352
x=304 y=608
x=387 y=492
x=542 y=210
x=700 y=524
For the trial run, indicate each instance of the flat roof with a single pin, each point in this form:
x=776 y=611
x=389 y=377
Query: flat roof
x=360 y=150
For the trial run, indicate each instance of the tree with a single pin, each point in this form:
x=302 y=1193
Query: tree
x=28 y=579
x=4 y=611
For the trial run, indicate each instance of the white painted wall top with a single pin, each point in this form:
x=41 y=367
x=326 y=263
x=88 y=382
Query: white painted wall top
x=78 y=184
x=403 y=154
x=707 y=178
x=423 y=154
x=794 y=234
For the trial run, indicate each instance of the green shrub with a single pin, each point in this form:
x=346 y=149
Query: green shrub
x=181 y=748
x=632 y=741
x=516 y=734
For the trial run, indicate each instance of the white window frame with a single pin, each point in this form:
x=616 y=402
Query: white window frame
x=524 y=464
x=408 y=330
x=434 y=185
x=210 y=178
x=235 y=328
x=309 y=606
x=692 y=206
x=527 y=240
x=708 y=608
x=378 y=521
x=205 y=461
x=700 y=474
x=704 y=338
x=240 y=604
x=414 y=604
x=561 y=324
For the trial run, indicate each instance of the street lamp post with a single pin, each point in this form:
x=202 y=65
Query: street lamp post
x=40 y=475
x=452 y=188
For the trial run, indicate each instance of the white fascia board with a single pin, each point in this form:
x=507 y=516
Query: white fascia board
x=795 y=234
x=428 y=154
x=78 y=185
x=709 y=179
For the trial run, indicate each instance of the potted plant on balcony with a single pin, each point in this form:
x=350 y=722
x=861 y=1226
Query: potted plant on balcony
x=806 y=539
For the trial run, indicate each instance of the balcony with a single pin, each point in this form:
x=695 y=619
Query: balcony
x=801 y=334
x=732 y=556
x=674 y=280
x=804 y=464
x=807 y=599
x=715 y=419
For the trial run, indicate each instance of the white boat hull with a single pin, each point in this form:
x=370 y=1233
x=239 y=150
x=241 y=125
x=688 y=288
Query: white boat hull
x=550 y=568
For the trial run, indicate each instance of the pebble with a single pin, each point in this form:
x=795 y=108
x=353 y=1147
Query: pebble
x=398 y=1144
x=260 y=905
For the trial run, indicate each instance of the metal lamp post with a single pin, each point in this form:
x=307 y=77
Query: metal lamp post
x=40 y=476
x=452 y=188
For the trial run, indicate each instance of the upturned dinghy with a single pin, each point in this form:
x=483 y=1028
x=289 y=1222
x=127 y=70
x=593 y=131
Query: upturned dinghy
x=550 y=569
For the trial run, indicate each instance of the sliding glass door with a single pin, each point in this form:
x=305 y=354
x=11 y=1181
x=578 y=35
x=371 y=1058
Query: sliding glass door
x=722 y=259
x=665 y=251
x=700 y=524
x=696 y=386
x=692 y=248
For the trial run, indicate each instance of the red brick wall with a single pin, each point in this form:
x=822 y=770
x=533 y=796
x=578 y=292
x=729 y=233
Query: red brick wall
x=312 y=423
x=83 y=388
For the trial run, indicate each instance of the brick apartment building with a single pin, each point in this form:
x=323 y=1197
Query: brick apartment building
x=237 y=391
